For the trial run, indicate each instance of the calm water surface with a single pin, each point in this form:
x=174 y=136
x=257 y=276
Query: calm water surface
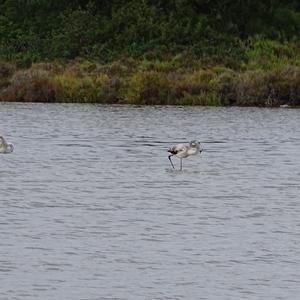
x=91 y=209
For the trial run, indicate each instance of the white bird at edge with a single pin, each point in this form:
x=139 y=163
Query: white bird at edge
x=184 y=150
x=5 y=147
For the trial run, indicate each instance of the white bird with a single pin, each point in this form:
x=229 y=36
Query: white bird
x=184 y=150
x=5 y=147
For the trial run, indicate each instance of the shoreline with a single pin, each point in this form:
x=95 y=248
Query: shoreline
x=146 y=105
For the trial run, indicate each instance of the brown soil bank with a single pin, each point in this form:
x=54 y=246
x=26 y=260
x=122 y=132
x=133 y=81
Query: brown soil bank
x=174 y=82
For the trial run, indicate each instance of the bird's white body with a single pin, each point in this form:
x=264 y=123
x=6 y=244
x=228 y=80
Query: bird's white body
x=5 y=147
x=184 y=150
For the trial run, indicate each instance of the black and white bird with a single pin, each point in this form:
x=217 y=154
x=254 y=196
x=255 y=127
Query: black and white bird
x=5 y=147
x=184 y=150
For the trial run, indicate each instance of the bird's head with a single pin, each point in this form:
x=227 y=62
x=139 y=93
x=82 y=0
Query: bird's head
x=196 y=144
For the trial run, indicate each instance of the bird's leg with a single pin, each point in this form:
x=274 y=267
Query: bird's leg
x=180 y=164
x=171 y=161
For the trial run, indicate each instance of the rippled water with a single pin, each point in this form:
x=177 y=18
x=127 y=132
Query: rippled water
x=91 y=209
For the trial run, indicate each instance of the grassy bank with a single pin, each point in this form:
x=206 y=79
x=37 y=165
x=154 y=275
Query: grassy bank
x=268 y=76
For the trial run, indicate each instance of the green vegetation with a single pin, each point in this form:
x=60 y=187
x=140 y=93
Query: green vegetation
x=151 y=52
x=143 y=82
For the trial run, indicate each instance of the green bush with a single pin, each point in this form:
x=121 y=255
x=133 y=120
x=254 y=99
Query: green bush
x=148 y=87
x=69 y=88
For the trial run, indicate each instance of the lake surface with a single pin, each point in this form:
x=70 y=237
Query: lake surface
x=90 y=207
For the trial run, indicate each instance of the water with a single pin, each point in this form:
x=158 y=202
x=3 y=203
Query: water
x=91 y=209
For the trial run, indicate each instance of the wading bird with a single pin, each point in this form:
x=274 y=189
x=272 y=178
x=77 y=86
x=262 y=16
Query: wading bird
x=184 y=150
x=5 y=147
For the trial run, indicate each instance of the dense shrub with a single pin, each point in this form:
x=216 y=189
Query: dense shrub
x=31 y=85
x=269 y=88
x=295 y=89
x=69 y=88
x=33 y=31
x=251 y=88
x=130 y=82
x=225 y=85
x=6 y=71
x=148 y=87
